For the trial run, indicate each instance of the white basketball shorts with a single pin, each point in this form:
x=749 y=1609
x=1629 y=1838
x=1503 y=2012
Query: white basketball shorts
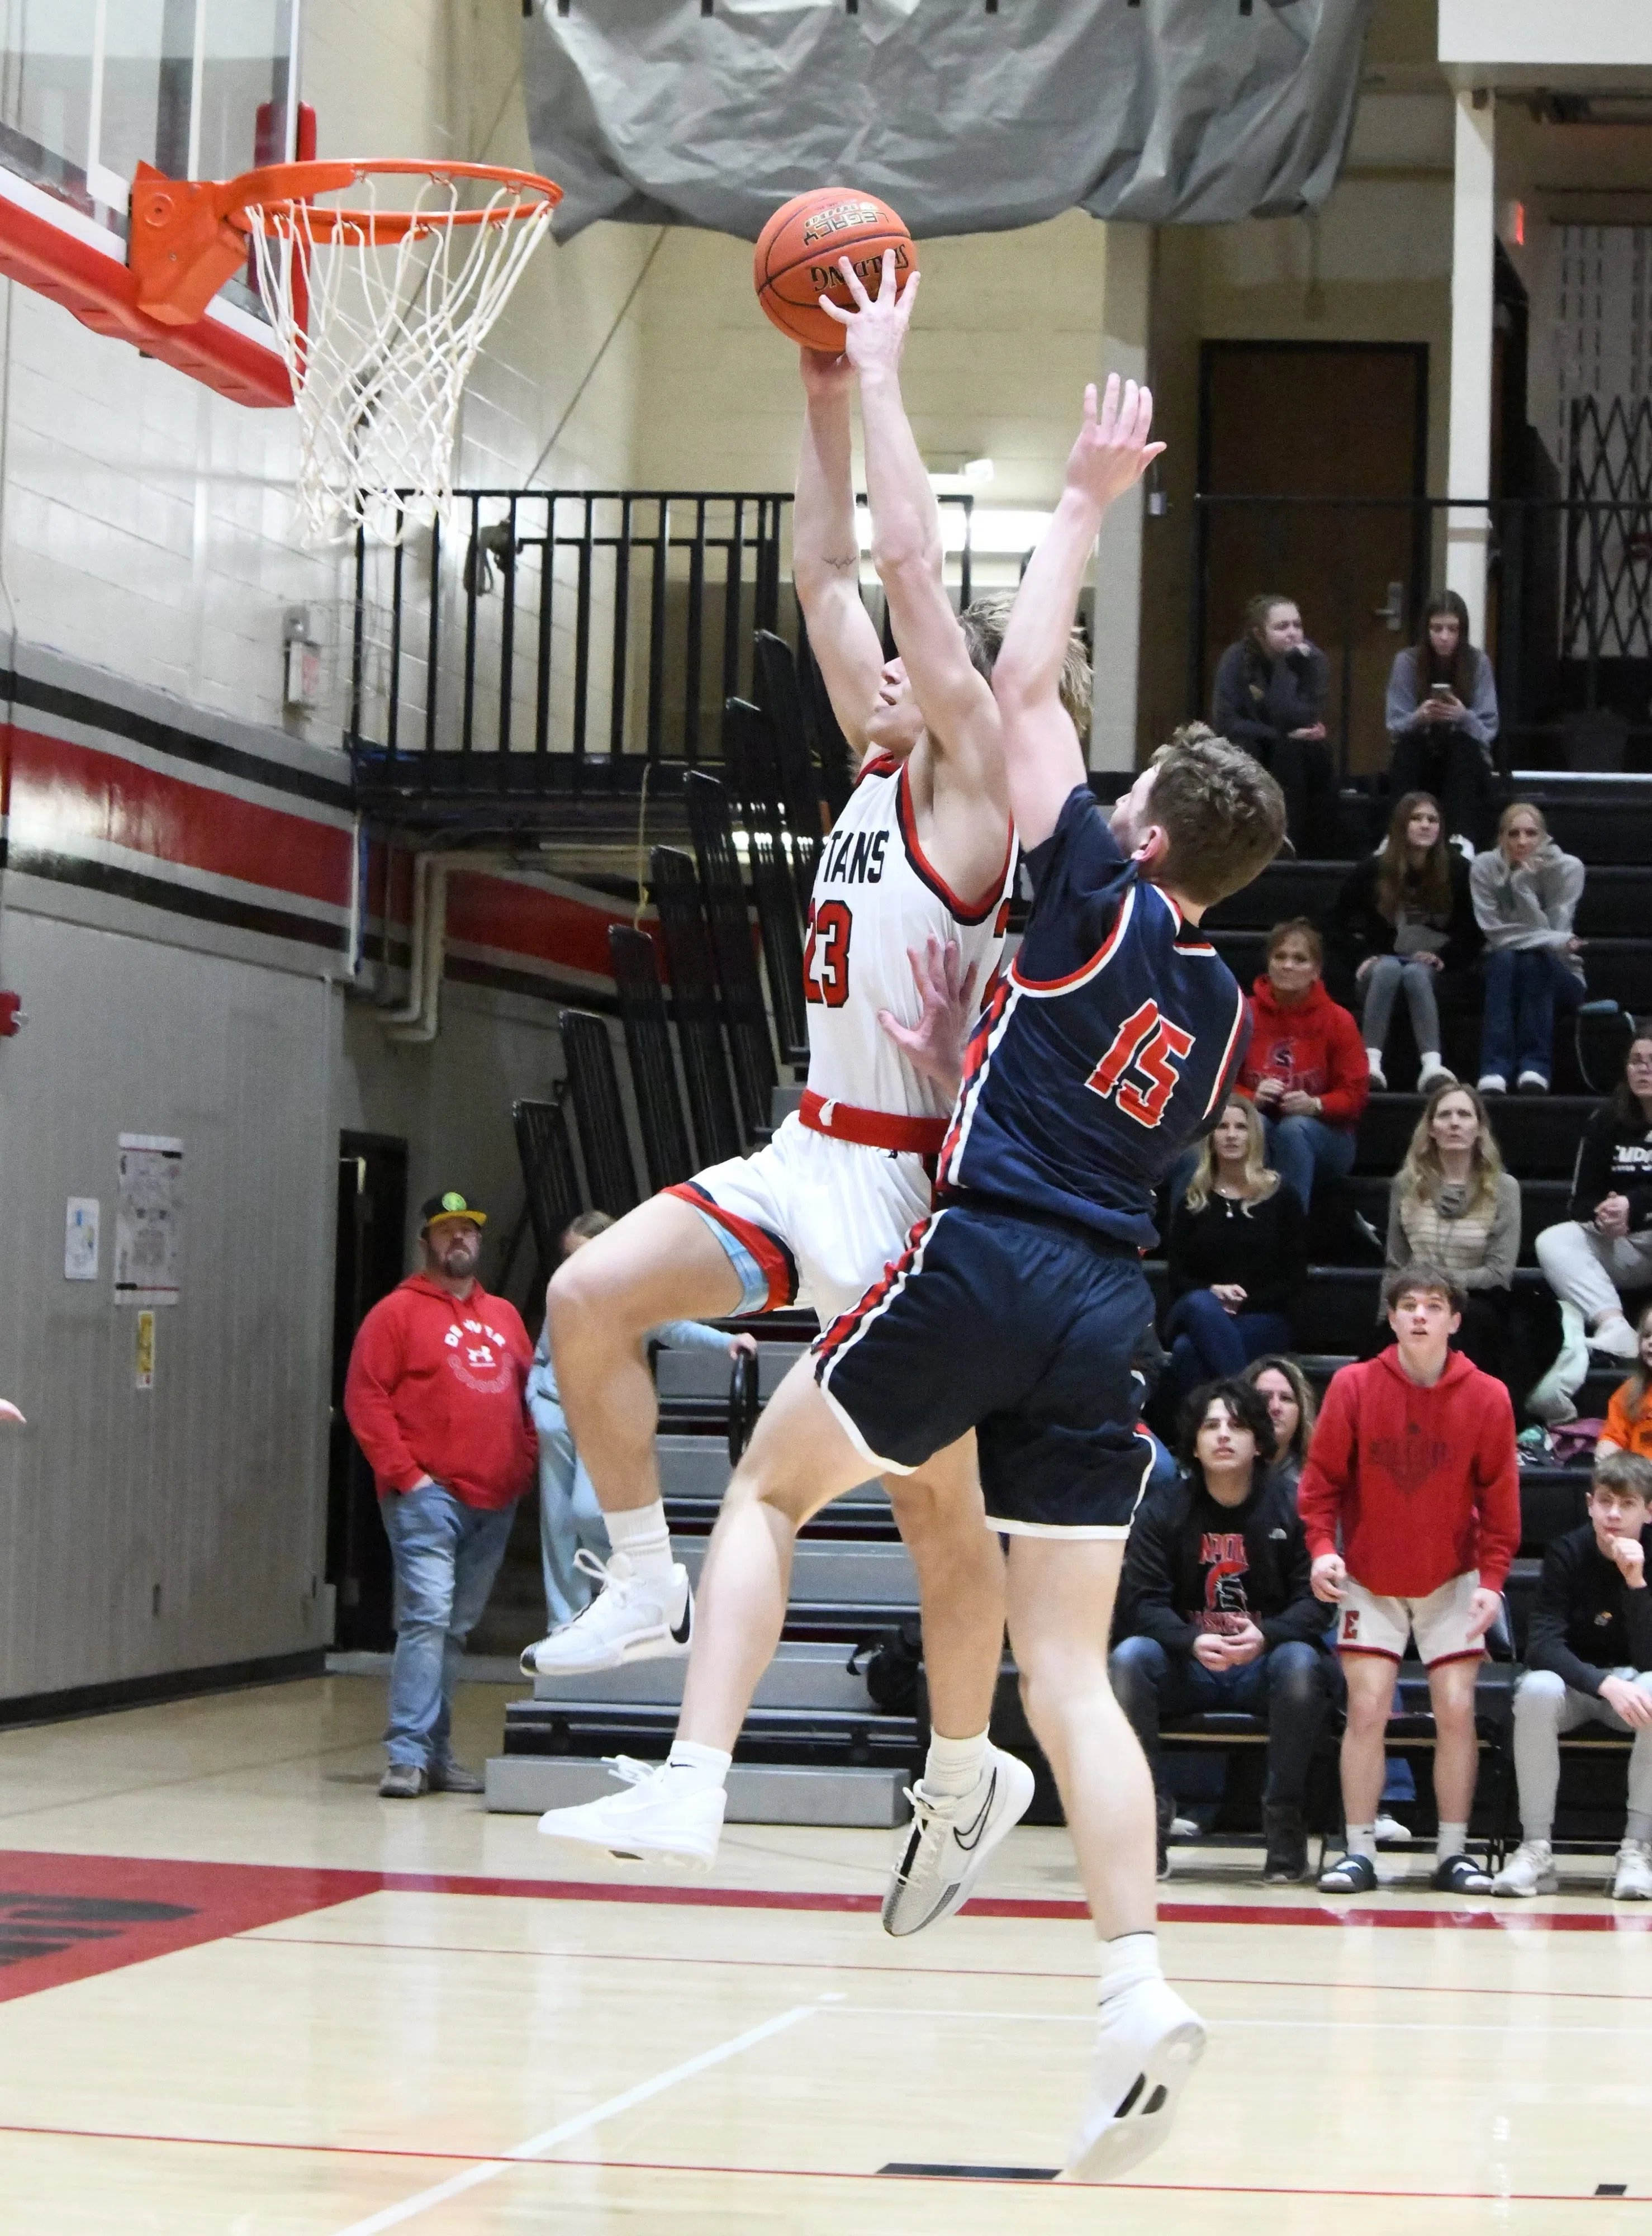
x=1367 y=1623
x=810 y=1220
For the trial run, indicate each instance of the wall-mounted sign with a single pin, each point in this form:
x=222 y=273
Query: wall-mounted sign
x=80 y=1238
x=143 y=1374
x=148 y=1219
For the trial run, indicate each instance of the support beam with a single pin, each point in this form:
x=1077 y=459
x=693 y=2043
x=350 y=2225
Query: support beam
x=1117 y=633
x=1473 y=248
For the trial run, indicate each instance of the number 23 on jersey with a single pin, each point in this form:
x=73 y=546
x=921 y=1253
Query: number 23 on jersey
x=1141 y=1070
x=826 y=956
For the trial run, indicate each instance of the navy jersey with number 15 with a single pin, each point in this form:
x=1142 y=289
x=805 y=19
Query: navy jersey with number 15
x=1109 y=1046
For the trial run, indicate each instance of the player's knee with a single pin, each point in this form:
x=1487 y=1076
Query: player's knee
x=1541 y=1697
x=587 y=1303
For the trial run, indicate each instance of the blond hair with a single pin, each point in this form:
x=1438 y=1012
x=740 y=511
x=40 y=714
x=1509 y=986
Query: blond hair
x=1260 y=1180
x=984 y=622
x=1422 y=1176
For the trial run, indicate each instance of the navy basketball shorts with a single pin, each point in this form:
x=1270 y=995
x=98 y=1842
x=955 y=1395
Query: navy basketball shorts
x=1022 y=1328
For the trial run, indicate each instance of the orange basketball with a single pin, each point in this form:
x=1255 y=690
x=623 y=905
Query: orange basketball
x=794 y=262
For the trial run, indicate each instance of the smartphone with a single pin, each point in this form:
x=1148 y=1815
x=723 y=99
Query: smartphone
x=1440 y=691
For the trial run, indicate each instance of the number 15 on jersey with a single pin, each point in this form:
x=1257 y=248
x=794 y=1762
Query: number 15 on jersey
x=1141 y=1070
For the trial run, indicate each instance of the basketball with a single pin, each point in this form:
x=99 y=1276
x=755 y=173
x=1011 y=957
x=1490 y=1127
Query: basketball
x=794 y=262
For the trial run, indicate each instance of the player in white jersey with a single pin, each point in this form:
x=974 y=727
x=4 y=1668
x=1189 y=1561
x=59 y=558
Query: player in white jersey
x=921 y=856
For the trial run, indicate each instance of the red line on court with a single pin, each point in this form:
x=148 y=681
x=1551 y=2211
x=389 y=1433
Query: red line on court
x=763 y=2173
x=70 y=1917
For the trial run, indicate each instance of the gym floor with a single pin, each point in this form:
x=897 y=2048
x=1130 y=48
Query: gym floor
x=239 y=1994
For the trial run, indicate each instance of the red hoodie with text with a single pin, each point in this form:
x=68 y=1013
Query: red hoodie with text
x=435 y=1388
x=1313 y=1045
x=1422 y=1478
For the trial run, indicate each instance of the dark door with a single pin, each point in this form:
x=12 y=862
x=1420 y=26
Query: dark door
x=372 y=1220
x=1318 y=420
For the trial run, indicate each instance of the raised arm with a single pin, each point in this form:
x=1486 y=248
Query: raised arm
x=825 y=551
x=956 y=701
x=1043 y=757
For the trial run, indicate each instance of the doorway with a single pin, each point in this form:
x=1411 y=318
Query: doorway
x=1290 y=421
x=368 y=1263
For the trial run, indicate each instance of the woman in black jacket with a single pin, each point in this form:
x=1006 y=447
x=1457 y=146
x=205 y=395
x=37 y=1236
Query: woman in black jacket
x=1270 y=697
x=1404 y=924
x=1604 y=1248
x=1237 y=1252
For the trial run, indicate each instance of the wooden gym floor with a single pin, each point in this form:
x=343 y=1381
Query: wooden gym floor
x=241 y=1996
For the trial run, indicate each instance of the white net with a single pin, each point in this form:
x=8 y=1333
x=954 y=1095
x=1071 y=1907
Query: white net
x=380 y=320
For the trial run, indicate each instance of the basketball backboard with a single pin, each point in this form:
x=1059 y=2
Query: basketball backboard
x=88 y=89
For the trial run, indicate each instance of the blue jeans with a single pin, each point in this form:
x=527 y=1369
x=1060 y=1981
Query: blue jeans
x=1290 y=1685
x=1523 y=986
x=1207 y=1341
x=446 y=1555
x=1304 y=1151
x=569 y=1518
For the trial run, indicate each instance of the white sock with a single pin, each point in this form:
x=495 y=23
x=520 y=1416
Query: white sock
x=1128 y=1961
x=1373 y=1058
x=641 y=1533
x=954 y=1765
x=1430 y=1060
x=1453 y=1839
x=695 y=1768
x=1362 y=1841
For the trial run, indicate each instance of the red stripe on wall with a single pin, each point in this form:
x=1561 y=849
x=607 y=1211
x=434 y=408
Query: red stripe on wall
x=61 y=793
x=526 y=920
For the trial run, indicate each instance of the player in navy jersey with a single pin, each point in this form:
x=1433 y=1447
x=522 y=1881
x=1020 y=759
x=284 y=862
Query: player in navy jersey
x=1018 y=1303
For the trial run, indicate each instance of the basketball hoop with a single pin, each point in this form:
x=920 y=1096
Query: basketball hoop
x=379 y=310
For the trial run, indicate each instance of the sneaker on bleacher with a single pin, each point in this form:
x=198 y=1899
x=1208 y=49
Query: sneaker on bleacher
x=630 y=1618
x=1632 y=1878
x=1616 y=1338
x=1530 y=1870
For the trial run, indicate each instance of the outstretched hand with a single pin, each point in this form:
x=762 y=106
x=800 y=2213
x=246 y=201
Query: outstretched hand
x=935 y=1046
x=875 y=332
x=1112 y=451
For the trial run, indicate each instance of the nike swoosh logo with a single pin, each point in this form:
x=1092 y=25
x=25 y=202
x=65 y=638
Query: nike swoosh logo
x=967 y=1835
x=680 y=1630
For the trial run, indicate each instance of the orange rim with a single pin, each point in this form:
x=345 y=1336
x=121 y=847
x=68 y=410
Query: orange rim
x=278 y=188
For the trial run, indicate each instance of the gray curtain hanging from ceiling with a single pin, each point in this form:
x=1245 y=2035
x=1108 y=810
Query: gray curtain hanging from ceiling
x=1178 y=112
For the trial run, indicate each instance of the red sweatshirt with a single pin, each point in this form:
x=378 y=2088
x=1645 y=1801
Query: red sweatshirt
x=1313 y=1045
x=436 y=1387
x=1424 y=1481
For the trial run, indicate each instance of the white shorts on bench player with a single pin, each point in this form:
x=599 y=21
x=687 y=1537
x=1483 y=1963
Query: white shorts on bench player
x=1371 y=1622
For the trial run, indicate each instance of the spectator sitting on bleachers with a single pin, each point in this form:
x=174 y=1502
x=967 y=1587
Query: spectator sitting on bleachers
x=1452 y=1205
x=1305 y=1069
x=1292 y=1408
x=1628 y=1417
x=1222 y=1613
x=1403 y=920
x=1525 y=896
x=1442 y=716
x=1270 y=697
x=570 y=1520
x=1237 y=1252
x=1604 y=1247
x=1413 y=1464
x=1588 y=1659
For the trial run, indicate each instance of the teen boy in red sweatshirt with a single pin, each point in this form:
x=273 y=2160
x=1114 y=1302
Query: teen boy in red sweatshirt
x=1413 y=1464
x=435 y=1395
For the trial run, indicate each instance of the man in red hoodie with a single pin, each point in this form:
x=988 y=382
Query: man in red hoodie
x=1412 y=1464
x=435 y=1395
x=1305 y=1068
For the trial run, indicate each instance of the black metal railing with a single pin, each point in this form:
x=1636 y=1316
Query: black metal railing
x=1568 y=620
x=553 y=641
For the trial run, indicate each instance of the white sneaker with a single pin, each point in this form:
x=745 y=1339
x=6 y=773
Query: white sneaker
x=1551 y=1398
x=1434 y=1074
x=1532 y=1082
x=657 y=1817
x=1373 y=1065
x=1492 y=1082
x=1633 y=1880
x=1147 y=2043
x=1530 y=1870
x=1388 y=1829
x=949 y=1839
x=629 y=1620
x=1616 y=1338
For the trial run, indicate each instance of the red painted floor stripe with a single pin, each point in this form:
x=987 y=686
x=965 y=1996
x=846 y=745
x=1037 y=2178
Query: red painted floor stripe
x=71 y=1907
x=758 y=2172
